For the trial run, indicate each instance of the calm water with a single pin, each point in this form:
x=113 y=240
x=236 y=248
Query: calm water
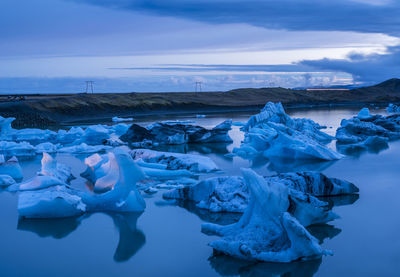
x=166 y=240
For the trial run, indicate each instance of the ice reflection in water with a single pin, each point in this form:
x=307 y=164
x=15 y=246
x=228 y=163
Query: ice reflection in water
x=130 y=238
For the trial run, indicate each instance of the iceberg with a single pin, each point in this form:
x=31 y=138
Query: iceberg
x=11 y=168
x=83 y=148
x=273 y=134
x=6 y=181
x=392 y=108
x=175 y=161
x=315 y=183
x=63 y=201
x=120 y=119
x=21 y=149
x=174 y=133
x=47 y=147
x=217 y=194
x=55 y=202
x=67 y=137
x=51 y=174
x=266 y=231
x=365 y=131
x=50 y=167
x=230 y=194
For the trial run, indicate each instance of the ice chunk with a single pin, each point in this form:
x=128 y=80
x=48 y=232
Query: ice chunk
x=315 y=183
x=70 y=136
x=124 y=197
x=95 y=134
x=22 y=149
x=50 y=167
x=11 y=168
x=265 y=232
x=218 y=194
x=230 y=194
x=120 y=119
x=200 y=115
x=364 y=114
x=274 y=134
x=366 y=131
x=83 y=148
x=178 y=133
x=6 y=181
x=392 y=108
x=5 y=127
x=50 y=203
x=61 y=201
x=191 y=162
x=47 y=147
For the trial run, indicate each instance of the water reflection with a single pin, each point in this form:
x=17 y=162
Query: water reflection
x=131 y=240
x=323 y=231
x=203 y=214
x=358 y=150
x=201 y=148
x=340 y=200
x=228 y=266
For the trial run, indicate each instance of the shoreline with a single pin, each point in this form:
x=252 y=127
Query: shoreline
x=40 y=111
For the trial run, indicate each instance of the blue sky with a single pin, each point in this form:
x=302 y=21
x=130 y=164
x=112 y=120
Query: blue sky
x=158 y=45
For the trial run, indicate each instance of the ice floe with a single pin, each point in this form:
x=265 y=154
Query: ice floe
x=11 y=167
x=392 y=108
x=230 y=194
x=51 y=174
x=175 y=161
x=83 y=148
x=63 y=201
x=121 y=119
x=273 y=134
x=266 y=231
x=366 y=131
x=6 y=181
x=177 y=133
x=19 y=149
x=55 y=202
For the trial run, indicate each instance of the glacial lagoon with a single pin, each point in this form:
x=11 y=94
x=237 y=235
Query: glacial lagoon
x=166 y=240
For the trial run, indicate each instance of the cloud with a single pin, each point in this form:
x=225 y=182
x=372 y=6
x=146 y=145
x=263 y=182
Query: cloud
x=311 y=15
x=366 y=69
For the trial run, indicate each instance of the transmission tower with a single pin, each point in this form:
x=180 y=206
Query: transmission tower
x=89 y=86
x=198 y=86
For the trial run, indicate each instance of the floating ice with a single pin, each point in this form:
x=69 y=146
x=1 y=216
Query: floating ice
x=191 y=162
x=70 y=136
x=50 y=203
x=83 y=148
x=61 y=201
x=265 y=232
x=367 y=131
x=51 y=174
x=392 y=108
x=217 y=194
x=6 y=181
x=47 y=147
x=178 y=133
x=230 y=194
x=120 y=119
x=273 y=134
x=50 y=167
x=315 y=183
x=21 y=149
x=11 y=168
x=200 y=115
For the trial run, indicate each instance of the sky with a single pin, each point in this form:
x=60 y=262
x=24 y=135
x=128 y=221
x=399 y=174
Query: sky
x=54 y=46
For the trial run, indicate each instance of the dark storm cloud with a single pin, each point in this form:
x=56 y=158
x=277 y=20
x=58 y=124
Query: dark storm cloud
x=320 y=15
x=364 y=68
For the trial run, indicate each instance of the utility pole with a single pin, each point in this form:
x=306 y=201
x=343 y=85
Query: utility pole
x=197 y=86
x=89 y=86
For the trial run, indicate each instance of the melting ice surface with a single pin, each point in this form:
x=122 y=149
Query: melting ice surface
x=166 y=238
